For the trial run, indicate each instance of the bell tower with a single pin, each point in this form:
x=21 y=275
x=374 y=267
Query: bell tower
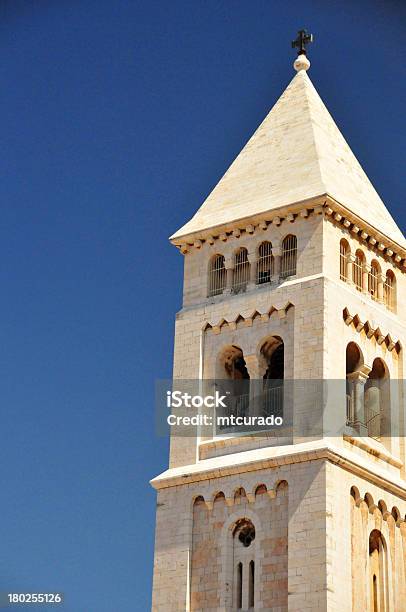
x=294 y=280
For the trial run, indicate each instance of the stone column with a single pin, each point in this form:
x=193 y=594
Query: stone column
x=277 y=256
x=229 y=264
x=350 y=261
x=366 y=269
x=252 y=258
x=256 y=374
x=357 y=416
x=381 y=282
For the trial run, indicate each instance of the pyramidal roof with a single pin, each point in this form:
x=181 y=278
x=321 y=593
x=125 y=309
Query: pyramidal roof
x=296 y=154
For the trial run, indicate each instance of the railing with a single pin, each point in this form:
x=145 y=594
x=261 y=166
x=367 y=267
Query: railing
x=370 y=421
x=272 y=401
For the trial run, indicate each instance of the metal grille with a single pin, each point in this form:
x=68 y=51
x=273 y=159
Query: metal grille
x=373 y=282
x=389 y=291
x=344 y=250
x=265 y=264
x=217 y=275
x=241 y=273
x=357 y=271
x=289 y=256
x=272 y=401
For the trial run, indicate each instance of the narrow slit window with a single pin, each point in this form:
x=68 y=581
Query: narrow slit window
x=289 y=256
x=217 y=275
x=239 y=586
x=241 y=273
x=251 y=585
x=265 y=264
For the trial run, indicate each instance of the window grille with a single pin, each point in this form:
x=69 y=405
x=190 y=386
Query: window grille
x=389 y=291
x=265 y=264
x=289 y=256
x=344 y=251
x=357 y=270
x=217 y=275
x=241 y=272
x=373 y=280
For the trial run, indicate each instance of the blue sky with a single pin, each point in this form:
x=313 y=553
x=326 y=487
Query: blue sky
x=117 y=119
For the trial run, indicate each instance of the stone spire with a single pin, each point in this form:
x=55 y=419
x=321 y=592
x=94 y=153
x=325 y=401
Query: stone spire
x=296 y=154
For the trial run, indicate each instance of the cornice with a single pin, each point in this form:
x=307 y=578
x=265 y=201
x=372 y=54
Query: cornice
x=267 y=459
x=323 y=204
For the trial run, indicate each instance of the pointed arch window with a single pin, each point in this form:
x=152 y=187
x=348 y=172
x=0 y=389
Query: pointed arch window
x=265 y=263
x=289 y=256
x=241 y=272
x=217 y=275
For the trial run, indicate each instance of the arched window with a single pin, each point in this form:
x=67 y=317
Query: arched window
x=272 y=358
x=217 y=275
x=265 y=263
x=233 y=381
x=377 y=400
x=389 y=291
x=378 y=572
x=289 y=256
x=358 y=270
x=344 y=253
x=241 y=272
x=244 y=568
x=373 y=280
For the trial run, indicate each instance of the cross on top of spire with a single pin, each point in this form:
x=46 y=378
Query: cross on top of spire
x=303 y=39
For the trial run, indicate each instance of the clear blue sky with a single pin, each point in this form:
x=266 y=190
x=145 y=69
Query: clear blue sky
x=117 y=118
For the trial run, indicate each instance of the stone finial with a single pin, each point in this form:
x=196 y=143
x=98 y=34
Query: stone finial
x=301 y=63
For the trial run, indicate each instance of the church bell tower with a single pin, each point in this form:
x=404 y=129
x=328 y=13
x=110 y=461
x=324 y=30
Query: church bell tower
x=294 y=280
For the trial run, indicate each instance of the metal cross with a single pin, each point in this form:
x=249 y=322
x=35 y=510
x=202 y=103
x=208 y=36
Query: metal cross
x=303 y=39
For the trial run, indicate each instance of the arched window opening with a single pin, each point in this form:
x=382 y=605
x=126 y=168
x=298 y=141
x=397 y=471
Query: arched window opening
x=289 y=256
x=389 y=291
x=232 y=380
x=251 y=585
x=272 y=358
x=358 y=270
x=354 y=400
x=373 y=280
x=377 y=400
x=344 y=253
x=265 y=264
x=239 y=586
x=241 y=272
x=217 y=275
x=378 y=572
